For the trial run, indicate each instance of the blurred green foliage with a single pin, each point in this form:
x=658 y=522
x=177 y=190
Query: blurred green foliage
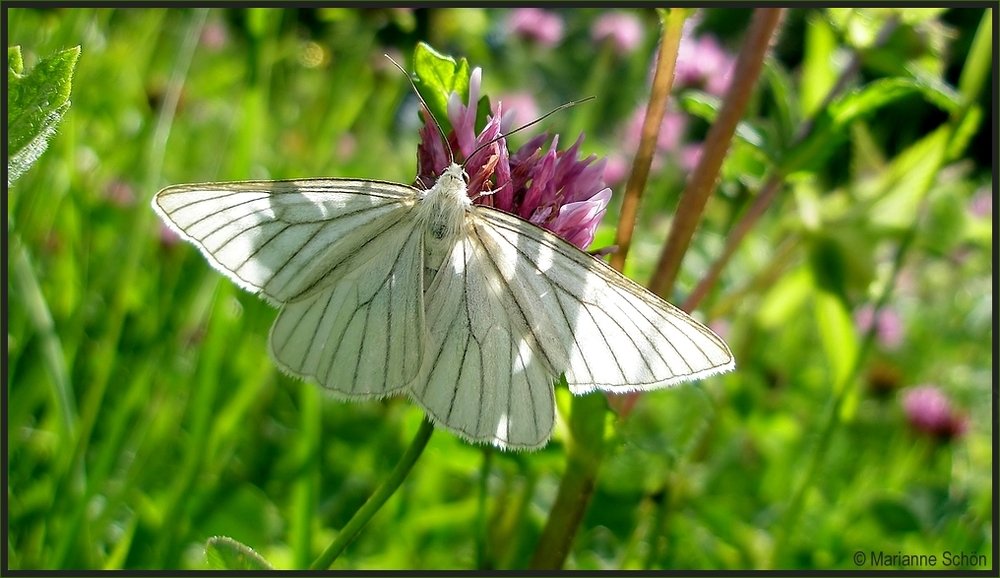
x=176 y=427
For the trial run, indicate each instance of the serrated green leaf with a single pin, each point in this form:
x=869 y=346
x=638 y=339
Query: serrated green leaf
x=15 y=64
x=36 y=102
x=227 y=554
x=436 y=77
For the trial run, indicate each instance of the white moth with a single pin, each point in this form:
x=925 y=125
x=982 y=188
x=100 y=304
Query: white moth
x=473 y=313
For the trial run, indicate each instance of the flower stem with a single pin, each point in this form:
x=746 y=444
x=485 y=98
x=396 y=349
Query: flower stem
x=776 y=180
x=584 y=453
x=702 y=181
x=673 y=24
x=381 y=495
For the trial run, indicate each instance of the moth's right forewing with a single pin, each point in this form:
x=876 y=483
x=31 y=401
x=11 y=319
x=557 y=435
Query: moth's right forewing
x=282 y=238
x=598 y=327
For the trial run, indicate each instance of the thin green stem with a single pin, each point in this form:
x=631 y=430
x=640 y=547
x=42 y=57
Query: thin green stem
x=482 y=556
x=381 y=495
x=306 y=486
x=199 y=412
x=584 y=454
x=26 y=283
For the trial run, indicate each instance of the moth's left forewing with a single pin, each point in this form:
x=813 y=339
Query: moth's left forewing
x=600 y=328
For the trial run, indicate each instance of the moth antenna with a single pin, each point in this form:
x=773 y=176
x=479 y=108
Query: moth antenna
x=534 y=122
x=423 y=103
x=491 y=192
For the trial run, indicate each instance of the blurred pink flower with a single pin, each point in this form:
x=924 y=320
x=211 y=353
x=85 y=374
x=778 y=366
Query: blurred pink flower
x=720 y=327
x=346 y=146
x=214 y=35
x=671 y=130
x=718 y=82
x=703 y=63
x=981 y=204
x=929 y=410
x=622 y=29
x=537 y=25
x=689 y=157
x=616 y=170
x=521 y=107
x=623 y=403
x=120 y=193
x=168 y=238
x=888 y=329
x=555 y=190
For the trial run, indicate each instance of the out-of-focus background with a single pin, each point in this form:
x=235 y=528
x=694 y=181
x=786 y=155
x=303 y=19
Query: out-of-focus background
x=144 y=415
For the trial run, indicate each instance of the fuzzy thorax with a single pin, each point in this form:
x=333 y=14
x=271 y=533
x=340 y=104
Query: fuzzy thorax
x=442 y=212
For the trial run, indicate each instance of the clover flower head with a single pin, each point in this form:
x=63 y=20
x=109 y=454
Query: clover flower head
x=981 y=205
x=622 y=29
x=120 y=193
x=930 y=411
x=672 y=129
x=537 y=25
x=554 y=189
x=214 y=35
x=888 y=326
x=703 y=62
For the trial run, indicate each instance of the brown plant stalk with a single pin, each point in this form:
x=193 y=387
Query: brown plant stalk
x=775 y=181
x=663 y=80
x=702 y=181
